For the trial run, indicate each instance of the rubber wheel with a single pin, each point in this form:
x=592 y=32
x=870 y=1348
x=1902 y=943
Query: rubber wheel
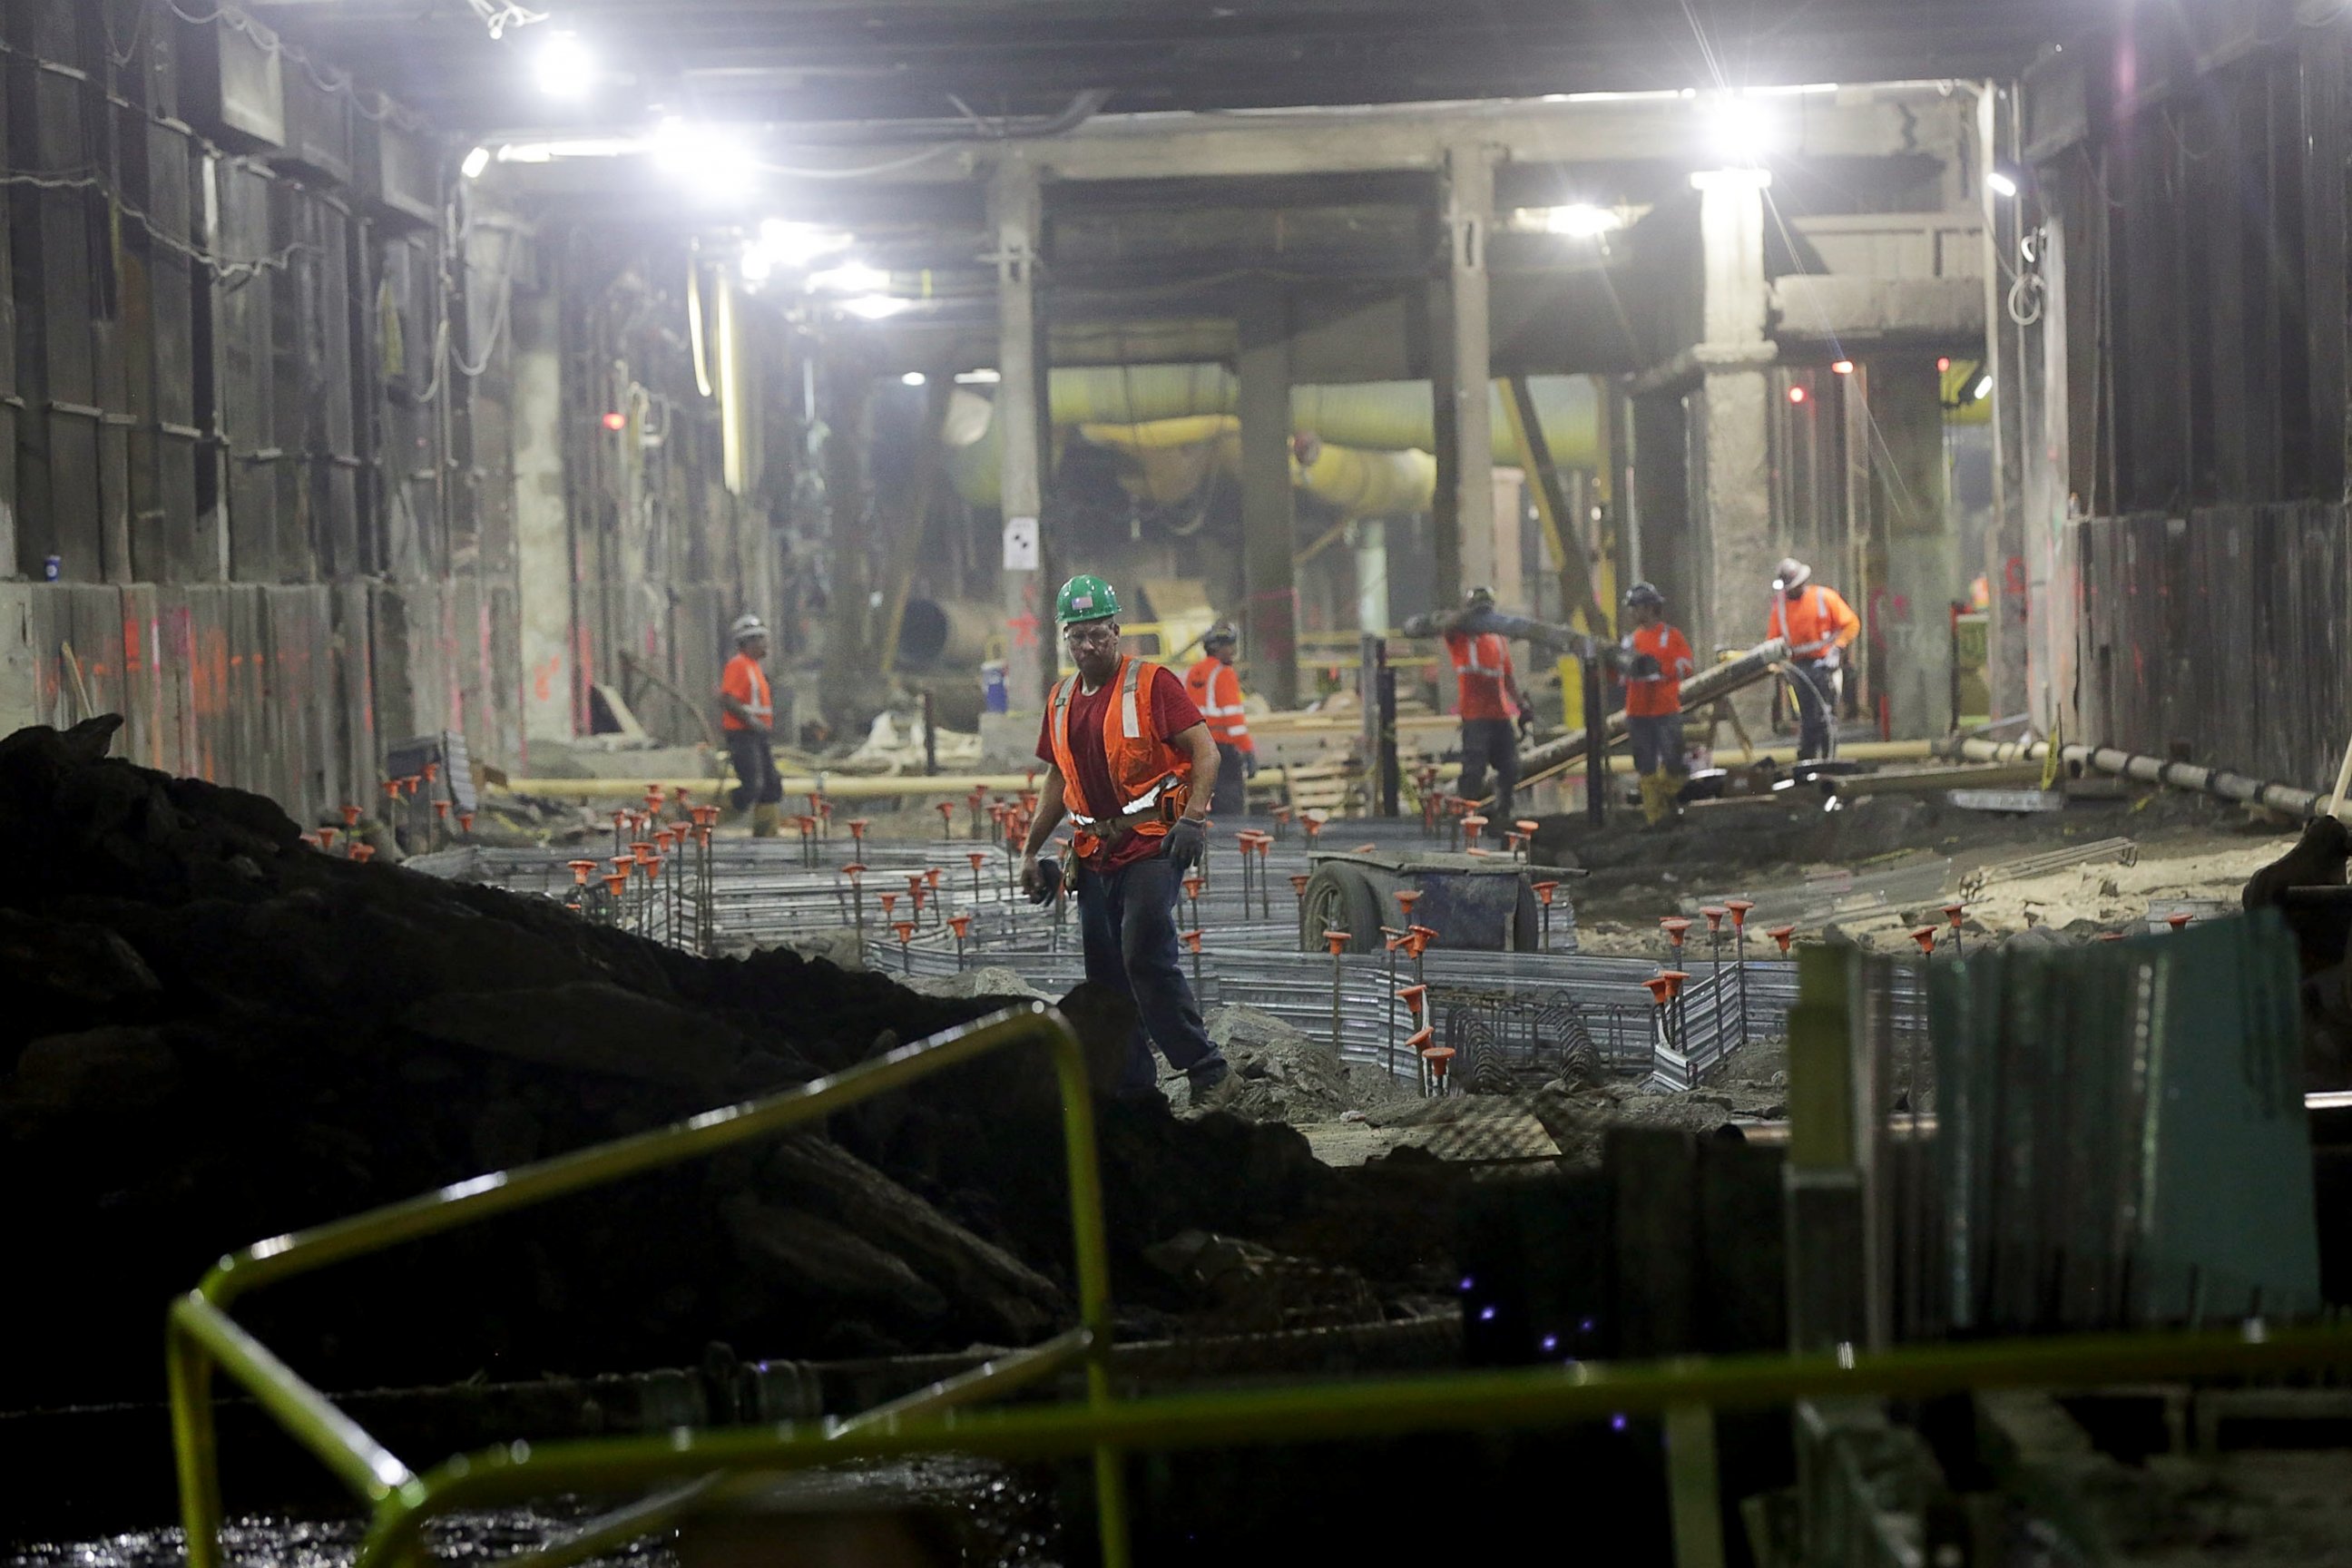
x=1340 y=897
x=1527 y=925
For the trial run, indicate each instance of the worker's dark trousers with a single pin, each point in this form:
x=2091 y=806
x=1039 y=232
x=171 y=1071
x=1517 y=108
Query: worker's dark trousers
x=1490 y=744
x=1816 y=711
x=1232 y=798
x=755 y=764
x=1129 y=922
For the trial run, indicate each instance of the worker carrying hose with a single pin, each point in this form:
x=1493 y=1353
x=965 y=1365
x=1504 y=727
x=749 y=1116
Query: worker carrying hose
x=1130 y=762
x=1478 y=637
x=748 y=717
x=1656 y=659
x=1215 y=688
x=1820 y=626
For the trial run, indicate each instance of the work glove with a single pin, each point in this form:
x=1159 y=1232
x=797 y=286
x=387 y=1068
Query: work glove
x=1527 y=726
x=1187 y=842
x=1042 y=880
x=1645 y=666
x=1249 y=764
x=1419 y=626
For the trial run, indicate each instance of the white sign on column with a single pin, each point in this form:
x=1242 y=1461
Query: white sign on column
x=1021 y=544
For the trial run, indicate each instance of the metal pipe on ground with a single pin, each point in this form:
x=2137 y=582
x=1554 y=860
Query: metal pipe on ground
x=2218 y=782
x=1699 y=691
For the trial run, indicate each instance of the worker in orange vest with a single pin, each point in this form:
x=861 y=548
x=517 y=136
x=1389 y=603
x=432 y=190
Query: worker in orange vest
x=1495 y=713
x=1215 y=688
x=748 y=718
x=1819 y=626
x=1656 y=660
x=1124 y=749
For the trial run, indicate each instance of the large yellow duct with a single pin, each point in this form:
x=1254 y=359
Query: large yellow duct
x=1173 y=457
x=1373 y=417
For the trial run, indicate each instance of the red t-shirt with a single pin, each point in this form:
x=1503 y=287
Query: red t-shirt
x=1173 y=713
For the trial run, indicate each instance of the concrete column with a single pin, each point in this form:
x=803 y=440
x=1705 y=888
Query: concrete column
x=1015 y=211
x=1270 y=615
x=2049 y=617
x=1731 y=498
x=1469 y=217
x=2004 y=565
x=1909 y=495
x=1372 y=575
x=541 y=523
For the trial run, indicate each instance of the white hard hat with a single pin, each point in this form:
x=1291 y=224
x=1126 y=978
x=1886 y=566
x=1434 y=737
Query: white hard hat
x=749 y=626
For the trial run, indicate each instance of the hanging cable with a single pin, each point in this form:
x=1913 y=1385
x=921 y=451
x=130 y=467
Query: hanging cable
x=694 y=324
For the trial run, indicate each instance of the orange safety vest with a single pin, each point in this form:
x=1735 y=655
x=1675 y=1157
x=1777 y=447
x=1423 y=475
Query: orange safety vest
x=1154 y=780
x=1659 y=696
x=1480 y=663
x=746 y=682
x=1215 y=688
x=1816 y=627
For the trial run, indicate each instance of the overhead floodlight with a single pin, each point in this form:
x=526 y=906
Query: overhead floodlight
x=875 y=307
x=714 y=164
x=564 y=68
x=978 y=378
x=1740 y=129
x=850 y=277
x=1842 y=367
x=798 y=244
x=476 y=162
x=913 y=378
x=1983 y=391
x=757 y=263
x=2002 y=184
x=1582 y=220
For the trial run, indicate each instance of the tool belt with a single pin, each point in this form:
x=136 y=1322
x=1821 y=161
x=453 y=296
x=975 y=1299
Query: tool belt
x=1158 y=803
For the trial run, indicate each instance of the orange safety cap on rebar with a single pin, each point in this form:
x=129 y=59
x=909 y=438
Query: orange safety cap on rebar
x=1781 y=935
x=1675 y=927
x=1956 y=913
x=857 y=826
x=1714 y=913
x=465 y=822
x=579 y=869
x=853 y=871
x=1544 y=890
x=1191 y=938
x=960 y=925
x=978 y=857
x=363 y=852
x=1406 y=898
x=1336 y=941
x=1298 y=880
x=1925 y=937
x=326 y=838
x=350 y=817
x=1193 y=884
x=1411 y=996
x=889 y=904
x=1738 y=908
x=615 y=882
x=2179 y=920
x=906 y=929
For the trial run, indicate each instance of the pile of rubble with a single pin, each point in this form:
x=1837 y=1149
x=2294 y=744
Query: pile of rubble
x=218 y=1034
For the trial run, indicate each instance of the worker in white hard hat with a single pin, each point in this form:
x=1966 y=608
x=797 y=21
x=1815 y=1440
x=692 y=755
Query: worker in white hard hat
x=1819 y=626
x=748 y=717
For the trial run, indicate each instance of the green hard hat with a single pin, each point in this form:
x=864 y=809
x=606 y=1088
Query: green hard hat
x=1084 y=598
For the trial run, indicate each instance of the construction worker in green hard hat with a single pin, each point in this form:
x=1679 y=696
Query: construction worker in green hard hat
x=1130 y=762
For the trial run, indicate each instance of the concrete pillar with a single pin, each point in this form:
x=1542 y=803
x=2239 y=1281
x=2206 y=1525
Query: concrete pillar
x=1922 y=576
x=1016 y=212
x=1270 y=614
x=1372 y=575
x=542 y=523
x=2004 y=565
x=1469 y=214
x=2049 y=617
x=1730 y=467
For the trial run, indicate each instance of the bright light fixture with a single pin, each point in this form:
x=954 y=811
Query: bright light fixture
x=564 y=68
x=913 y=378
x=1796 y=394
x=850 y=277
x=875 y=307
x=1983 y=391
x=716 y=165
x=1739 y=128
x=1842 y=367
x=476 y=162
x=798 y=244
x=2001 y=184
x=1582 y=220
x=756 y=264
x=978 y=378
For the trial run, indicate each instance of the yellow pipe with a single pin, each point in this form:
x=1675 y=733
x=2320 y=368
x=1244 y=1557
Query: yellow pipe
x=1173 y=453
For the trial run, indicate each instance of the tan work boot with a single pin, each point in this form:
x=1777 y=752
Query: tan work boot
x=767 y=820
x=1657 y=797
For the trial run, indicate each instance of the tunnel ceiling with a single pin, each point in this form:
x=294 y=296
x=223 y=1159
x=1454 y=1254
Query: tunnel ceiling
x=929 y=60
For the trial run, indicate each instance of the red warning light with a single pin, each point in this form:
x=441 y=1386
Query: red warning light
x=1796 y=394
x=1945 y=362
x=616 y=422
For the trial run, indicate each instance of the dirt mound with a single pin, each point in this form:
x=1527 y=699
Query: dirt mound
x=218 y=1034
x=1281 y=1074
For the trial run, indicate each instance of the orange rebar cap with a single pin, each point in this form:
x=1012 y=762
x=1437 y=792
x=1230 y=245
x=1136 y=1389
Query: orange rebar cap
x=1781 y=935
x=1925 y=937
x=1544 y=890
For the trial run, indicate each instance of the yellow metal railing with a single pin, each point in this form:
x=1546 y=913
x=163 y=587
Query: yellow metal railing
x=202 y=1338
x=702 y=1467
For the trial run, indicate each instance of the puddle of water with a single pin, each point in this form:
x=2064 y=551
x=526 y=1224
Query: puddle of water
x=1007 y=1517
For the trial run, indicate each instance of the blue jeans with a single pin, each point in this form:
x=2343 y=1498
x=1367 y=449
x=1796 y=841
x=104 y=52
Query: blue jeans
x=1127 y=920
x=1657 y=743
x=1816 y=711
